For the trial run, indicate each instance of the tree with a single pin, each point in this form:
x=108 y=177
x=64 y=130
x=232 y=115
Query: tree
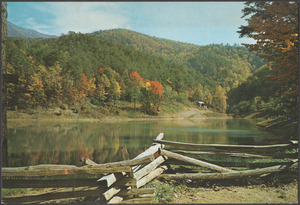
x=220 y=99
x=274 y=26
x=84 y=85
x=52 y=81
x=152 y=94
x=137 y=82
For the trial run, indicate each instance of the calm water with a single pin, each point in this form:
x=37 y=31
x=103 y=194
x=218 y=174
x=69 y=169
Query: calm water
x=66 y=143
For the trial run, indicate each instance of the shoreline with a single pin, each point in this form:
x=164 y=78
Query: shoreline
x=189 y=113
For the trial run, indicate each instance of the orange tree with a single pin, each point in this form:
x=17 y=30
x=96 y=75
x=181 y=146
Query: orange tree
x=274 y=26
x=152 y=94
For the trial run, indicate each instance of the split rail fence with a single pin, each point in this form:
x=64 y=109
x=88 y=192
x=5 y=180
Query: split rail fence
x=122 y=181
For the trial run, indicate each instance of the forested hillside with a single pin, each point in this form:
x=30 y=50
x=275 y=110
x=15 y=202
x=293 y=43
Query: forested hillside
x=219 y=65
x=78 y=70
x=151 y=45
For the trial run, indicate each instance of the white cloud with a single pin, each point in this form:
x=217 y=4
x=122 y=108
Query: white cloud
x=32 y=24
x=194 y=14
x=85 y=17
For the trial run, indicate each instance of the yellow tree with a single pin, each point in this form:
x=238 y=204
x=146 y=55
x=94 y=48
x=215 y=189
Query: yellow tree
x=220 y=99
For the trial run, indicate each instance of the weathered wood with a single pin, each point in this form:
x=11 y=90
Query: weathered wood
x=148 y=168
x=111 y=178
x=147 y=197
x=126 y=181
x=108 y=180
x=295 y=142
x=250 y=164
x=115 y=200
x=155 y=147
x=226 y=175
x=55 y=170
x=256 y=148
x=34 y=183
x=232 y=164
x=151 y=176
x=53 y=195
x=58 y=170
x=141 y=200
x=124 y=153
x=111 y=192
x=243 y=155
x=136 y=161
x=194 y=161
x=87 y=161
x=118 y=185
x=129 y=192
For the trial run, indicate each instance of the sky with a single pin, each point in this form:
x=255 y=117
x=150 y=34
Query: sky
x=200 y=23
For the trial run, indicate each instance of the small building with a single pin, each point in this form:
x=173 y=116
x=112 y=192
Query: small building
x=201 y=104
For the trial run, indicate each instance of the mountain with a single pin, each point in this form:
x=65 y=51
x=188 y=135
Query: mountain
x=222 y=65
x=151 y=45
x=19 y=32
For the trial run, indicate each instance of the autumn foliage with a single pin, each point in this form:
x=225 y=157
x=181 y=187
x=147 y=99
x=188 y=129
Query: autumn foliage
x=274 y=26
x=136 y=78
x=156 y=88
x=152 y=92
x=84 y=72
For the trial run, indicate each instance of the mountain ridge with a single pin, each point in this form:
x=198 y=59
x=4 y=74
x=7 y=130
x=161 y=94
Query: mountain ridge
x=20 y=32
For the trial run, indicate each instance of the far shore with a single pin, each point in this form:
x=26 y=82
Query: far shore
x=43 y=116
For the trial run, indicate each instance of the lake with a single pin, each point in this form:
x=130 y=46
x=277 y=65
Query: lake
x=33 y=143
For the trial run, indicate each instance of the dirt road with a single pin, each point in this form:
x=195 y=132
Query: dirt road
x=195 y=113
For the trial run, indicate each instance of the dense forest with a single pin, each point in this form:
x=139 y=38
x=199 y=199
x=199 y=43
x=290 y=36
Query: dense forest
x=82 y=71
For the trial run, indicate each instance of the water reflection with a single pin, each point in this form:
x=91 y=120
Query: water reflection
x=66 y=143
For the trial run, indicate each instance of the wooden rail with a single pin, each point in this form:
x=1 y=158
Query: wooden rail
x=285 y=168
x=255 y=148
x=58 y=170
x=123 y=181
x=229 y=175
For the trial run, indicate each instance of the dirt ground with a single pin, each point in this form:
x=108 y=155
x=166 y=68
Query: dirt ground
x=255 y=194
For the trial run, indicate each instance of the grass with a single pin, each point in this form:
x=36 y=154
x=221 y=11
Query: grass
x=10 y=192
x=171 y=107
x=165 y=192
x=279 y=125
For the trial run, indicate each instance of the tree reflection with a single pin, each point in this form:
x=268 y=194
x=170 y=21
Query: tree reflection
x=66 y=143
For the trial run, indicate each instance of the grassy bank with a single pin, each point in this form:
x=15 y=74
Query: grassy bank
x=281 y=126
x=117 y=110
